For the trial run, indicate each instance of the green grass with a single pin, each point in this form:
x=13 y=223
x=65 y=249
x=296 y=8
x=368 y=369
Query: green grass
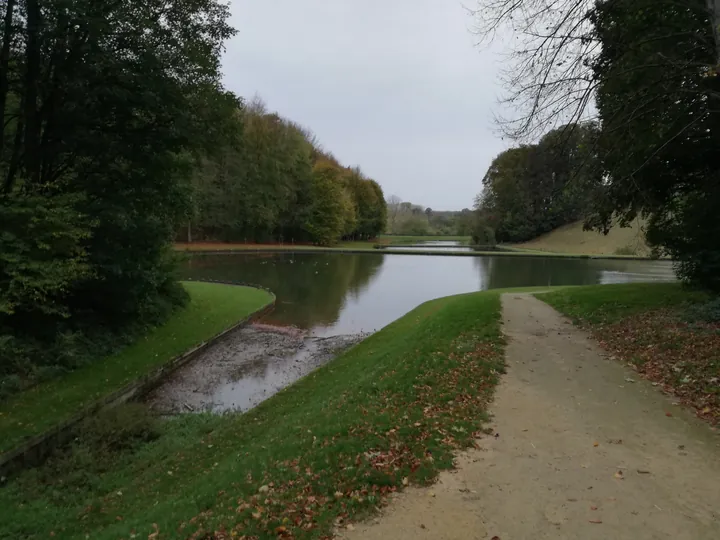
x=668 y=334
x=332 y=446
x=628 y=241
x=611 y=303
x=212 y=309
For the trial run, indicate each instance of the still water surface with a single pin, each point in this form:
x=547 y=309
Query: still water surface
x=337 y=294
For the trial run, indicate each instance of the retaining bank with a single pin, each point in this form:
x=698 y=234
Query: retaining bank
x=25 y=446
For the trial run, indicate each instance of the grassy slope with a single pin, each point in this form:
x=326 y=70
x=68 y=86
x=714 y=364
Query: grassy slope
x=612 y=303
x=334 y=444
x=212 y=309
x=572 y=239
x=666 y=333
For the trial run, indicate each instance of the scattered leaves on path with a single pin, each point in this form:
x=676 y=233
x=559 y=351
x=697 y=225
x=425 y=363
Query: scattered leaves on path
x=681 y=358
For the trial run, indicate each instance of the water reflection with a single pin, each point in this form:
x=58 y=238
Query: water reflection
x=333 y=294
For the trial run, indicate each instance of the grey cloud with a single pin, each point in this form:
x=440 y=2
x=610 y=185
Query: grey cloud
x=395 y=86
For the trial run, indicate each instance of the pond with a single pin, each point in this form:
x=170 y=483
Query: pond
x=327 y=302
x=332 y=294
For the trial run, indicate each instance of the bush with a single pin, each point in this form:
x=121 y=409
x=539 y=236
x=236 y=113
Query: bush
x=626 y=250
x=707 y=312
x=99 y=442
x=118 y=429
x=484 y=236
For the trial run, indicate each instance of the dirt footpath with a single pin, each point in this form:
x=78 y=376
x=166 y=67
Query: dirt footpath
x=582 y=452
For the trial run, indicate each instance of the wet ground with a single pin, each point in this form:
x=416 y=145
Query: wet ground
x=246 y=368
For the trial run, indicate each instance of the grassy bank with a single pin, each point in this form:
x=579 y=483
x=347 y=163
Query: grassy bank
x=666 y=333
x=324 y=451
x=358 y=246
x=572 y=239
x=369 y=247
x=212 y=309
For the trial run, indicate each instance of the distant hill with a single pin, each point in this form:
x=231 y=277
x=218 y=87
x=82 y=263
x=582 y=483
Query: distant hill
x=572 y=239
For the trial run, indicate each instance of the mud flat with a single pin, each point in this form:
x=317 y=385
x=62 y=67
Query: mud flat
x=246 y=368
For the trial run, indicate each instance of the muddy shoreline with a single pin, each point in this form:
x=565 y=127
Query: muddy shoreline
x=245 y=368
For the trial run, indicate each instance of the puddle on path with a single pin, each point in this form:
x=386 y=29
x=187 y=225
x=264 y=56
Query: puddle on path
x=246 y=368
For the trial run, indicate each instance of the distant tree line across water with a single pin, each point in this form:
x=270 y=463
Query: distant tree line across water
x=270 y=181
x=408 y=219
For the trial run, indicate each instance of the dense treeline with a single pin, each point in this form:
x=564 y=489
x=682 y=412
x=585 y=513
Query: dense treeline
x=270 y=181
x=408 y=219
x=533 y=189
x=650 y=69
x=105 y=108
x=116 y=132
x=659 y=102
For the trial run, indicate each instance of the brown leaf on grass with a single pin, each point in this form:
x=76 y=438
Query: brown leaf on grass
x=681 y=358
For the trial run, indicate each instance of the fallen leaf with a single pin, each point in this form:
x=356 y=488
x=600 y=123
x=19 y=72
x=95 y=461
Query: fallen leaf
x=596 y=521
x=668 y=414
x=596 y=444
x=643 y=471
x=350 y=527
x=405 y=481
x=264 y=489
x=619 y=475
x=593 y=508
x=495 y=538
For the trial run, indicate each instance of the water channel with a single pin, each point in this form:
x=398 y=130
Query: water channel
x=332 y=294
x=327 y=302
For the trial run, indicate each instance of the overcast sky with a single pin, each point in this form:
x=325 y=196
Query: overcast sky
x=394 y=86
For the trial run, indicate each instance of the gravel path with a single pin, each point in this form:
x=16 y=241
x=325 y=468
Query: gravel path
x=582 y=451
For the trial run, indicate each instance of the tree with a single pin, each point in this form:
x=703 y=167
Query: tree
x=325 y=221
x=659 y=101
x=394 y=206
x=104 y=106
x=654 y=69
x=533 y=189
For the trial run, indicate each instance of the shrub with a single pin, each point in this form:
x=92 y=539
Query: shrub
x=626 y=250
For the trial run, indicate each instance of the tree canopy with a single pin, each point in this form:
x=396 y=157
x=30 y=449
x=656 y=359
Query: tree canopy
x=271 y=182
x=532 y=189
x=652 y=68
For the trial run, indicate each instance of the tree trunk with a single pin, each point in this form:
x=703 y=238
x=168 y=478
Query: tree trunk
x=4 y=66
x=189 y=233
x=32 y=78
x=714 y=12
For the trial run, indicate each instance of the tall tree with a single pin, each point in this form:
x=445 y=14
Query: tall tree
x=103 y=106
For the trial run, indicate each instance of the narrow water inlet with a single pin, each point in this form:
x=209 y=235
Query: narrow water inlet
x=246 y=368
